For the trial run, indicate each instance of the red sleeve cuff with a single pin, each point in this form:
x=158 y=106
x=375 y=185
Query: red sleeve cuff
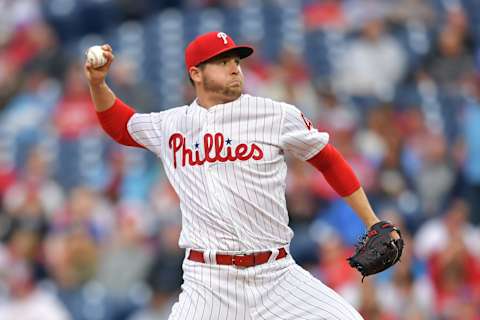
x=114 y=122
x=336 y=170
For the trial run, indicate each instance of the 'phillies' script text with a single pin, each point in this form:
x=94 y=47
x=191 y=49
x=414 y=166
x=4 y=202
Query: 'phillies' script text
x=213 y=145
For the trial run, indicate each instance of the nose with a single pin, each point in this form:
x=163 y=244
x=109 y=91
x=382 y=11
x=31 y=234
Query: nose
x=233 y=66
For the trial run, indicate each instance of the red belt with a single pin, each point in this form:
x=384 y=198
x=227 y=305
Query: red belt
x=242 y=260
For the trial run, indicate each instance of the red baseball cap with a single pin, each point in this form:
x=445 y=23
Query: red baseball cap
x=211 y=44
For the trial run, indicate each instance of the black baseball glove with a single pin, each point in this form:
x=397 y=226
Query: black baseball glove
x=377 y=250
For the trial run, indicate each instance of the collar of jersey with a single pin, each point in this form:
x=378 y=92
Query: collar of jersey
x=195 y=104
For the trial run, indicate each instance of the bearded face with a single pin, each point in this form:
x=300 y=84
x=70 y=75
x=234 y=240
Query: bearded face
x=231 y=89
x=222 y=78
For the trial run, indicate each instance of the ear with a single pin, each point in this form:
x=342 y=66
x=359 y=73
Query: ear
x=195 y=74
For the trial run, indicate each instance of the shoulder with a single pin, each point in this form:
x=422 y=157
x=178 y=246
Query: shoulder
x=143 y=121
x=174 y=111
x=157 y=115
x=264 y=103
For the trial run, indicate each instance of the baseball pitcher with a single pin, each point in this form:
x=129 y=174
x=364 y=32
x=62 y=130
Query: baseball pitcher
x=224 y=154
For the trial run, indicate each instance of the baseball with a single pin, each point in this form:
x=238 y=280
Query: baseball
x=95 y=56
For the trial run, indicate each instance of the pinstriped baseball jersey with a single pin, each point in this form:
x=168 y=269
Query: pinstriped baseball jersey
x=227 y=165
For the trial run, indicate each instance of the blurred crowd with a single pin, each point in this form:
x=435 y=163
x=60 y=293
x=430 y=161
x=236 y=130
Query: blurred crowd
x=89 y=229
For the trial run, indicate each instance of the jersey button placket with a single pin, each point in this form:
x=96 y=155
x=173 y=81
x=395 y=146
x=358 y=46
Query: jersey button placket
x=209 y=128
x=214 y=189
x=207 y=119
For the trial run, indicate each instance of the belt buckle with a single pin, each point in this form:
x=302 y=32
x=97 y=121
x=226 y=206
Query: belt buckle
x=238 y=259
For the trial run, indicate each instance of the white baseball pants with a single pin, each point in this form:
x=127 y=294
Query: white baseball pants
x=277 y=290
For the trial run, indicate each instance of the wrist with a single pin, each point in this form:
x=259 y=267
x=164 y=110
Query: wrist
x=103 y=98
x=371 y=222
x=97 y=85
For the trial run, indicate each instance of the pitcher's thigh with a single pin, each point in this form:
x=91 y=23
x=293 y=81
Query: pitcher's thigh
x=201 y=303
x=299 y=295
x=193 y=305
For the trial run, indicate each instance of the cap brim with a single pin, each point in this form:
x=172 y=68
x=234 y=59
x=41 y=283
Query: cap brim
x=241 y=51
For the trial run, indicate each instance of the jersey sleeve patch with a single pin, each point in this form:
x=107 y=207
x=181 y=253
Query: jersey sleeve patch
x=299 y=136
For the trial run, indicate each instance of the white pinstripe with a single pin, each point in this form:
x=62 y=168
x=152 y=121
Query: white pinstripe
x=233 y=200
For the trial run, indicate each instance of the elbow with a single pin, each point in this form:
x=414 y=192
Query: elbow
x=114 y=122
x=336 y=170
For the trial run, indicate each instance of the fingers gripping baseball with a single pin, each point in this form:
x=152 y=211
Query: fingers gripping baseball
x=97 y=63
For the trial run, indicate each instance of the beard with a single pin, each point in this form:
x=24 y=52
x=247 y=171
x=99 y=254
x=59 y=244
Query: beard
x=228 y=91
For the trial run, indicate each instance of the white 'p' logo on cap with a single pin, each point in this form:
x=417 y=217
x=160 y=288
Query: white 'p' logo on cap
x=223 y=36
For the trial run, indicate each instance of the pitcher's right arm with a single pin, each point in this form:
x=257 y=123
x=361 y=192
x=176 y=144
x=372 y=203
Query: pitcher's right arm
x=112 y=113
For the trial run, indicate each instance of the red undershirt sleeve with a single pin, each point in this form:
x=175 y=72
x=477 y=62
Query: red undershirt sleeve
x=114 y=121
x=336 y=170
